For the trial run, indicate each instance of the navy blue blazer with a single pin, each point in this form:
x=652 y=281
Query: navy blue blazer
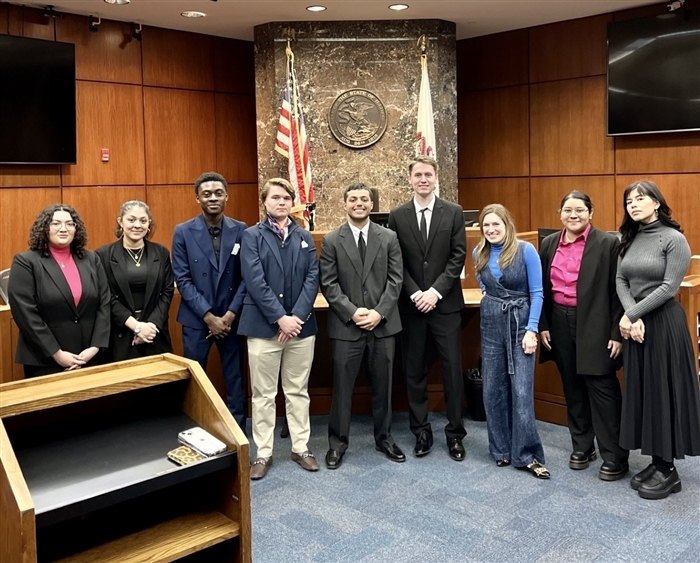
x=264 y=276
x=203 y=284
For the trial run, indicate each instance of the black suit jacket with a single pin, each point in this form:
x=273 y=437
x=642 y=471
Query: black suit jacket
x=348 y=284
x=45 y=312
x=437 y=264
x=160 y=285
x=598 y=310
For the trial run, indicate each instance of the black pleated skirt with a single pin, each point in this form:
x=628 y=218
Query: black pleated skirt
x=661 y=401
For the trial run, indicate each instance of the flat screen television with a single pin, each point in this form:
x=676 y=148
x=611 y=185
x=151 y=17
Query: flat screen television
x=37 y=101
x=654 y=74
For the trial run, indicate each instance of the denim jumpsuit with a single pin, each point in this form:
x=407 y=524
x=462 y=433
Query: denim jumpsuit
x=508 y=372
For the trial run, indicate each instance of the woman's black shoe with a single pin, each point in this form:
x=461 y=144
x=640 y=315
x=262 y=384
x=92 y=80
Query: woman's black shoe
x=642 y=476
x=539 y=471
x=581 y=460
x=659 y=486
x=502 y=462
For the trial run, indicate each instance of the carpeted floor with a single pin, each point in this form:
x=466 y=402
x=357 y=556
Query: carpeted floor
x=434 y=509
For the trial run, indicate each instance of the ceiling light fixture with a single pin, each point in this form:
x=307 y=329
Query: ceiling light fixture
x=398 y=7
x=117 y=2
x=192 y=14
x=673 y=6
x=316 y=8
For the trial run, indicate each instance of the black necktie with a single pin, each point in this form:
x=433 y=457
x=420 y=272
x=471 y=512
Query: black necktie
x=361 y=247
x=215 y=231
x=423 y=225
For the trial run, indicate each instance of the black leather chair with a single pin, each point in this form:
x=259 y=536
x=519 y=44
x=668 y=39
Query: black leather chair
x=4 y=281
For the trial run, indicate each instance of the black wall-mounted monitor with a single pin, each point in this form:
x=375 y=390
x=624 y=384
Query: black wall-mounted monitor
x=37 y=101
x=654 y=74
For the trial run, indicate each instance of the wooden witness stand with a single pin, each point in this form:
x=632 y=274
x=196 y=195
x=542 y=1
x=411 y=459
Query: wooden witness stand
x=84 y=476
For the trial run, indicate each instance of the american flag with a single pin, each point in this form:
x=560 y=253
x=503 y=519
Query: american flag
x=293 y=144
x=425 y=129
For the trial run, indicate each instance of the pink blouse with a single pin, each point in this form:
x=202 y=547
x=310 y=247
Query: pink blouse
x=64 y=258
x=566 y=266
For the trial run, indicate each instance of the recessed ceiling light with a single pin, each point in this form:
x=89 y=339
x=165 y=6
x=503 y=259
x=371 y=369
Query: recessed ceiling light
x=191 y=14
x=118 y=2
x=316 y=8
x=398 y=7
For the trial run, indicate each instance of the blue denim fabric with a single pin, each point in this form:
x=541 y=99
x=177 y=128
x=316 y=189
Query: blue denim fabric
x=507 y=371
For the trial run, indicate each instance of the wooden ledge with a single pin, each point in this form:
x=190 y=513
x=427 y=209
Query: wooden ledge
x=167 y=541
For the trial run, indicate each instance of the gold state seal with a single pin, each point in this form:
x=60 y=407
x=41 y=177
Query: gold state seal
x=357 y=118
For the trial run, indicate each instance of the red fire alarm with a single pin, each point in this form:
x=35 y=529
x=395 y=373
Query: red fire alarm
x=105 y=155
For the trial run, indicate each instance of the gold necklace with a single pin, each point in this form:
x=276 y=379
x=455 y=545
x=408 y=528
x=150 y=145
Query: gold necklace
x=136 y=255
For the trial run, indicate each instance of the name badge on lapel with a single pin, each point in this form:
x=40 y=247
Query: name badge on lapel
x=236 y=248
x=304 y=244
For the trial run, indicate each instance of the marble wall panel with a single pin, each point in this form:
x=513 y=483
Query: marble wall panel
x=382 y=57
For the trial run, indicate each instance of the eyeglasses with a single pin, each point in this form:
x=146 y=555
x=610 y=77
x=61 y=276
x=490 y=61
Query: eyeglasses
x=56 y=225
x=578 y=211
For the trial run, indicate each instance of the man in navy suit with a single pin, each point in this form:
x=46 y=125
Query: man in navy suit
x=281 y=273
x=207 y=267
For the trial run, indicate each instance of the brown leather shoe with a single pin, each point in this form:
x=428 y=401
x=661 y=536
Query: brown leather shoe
x=259 y=468
x=306 y=460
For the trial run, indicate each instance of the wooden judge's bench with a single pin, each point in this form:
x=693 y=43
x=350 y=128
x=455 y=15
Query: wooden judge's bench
x=549 y=396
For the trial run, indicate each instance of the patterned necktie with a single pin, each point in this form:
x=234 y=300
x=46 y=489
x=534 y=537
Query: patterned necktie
x=423 y=225
x=361 y=247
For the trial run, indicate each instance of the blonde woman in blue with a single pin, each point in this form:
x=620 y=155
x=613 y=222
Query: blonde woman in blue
x=510 y=275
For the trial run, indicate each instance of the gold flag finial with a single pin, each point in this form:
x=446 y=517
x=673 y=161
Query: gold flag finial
x=423 y=44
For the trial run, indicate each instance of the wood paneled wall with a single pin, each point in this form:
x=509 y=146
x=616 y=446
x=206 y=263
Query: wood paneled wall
x=532 y=128
x=168 y=107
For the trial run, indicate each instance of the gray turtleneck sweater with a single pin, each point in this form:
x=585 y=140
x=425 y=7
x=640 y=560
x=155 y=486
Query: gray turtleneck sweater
x=652 y=269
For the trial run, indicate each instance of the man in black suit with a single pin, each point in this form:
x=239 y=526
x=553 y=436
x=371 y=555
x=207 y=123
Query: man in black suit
x=361 y=273
x=434 y=246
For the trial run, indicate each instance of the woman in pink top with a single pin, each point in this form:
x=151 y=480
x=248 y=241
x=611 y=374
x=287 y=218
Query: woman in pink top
x=59 y=296
x=579 y=330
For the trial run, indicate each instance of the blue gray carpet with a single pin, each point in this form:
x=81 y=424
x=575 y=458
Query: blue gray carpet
x=434 y=509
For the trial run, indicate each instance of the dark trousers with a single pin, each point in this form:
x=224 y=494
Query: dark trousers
x=593 y=402
x=377 y=355
x=197 y=346
x=445 y=330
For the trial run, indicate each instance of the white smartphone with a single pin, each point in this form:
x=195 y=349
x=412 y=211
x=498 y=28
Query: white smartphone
x=201 y=441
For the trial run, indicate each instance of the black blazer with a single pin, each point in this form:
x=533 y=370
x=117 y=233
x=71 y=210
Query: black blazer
x=437 y=264
x=45 y=312
x=598 y=310
x=348 y=284
x=159 y=293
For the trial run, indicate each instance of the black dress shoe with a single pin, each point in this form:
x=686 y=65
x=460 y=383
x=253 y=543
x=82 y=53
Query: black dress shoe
x=334 y=459
x=643 y=475
x=424 y=444
x=456 y=449
x=581 y=460
x=392 y=452
x=659 y=486
x=613 y=470
x=284 y=433
x=502 y=462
